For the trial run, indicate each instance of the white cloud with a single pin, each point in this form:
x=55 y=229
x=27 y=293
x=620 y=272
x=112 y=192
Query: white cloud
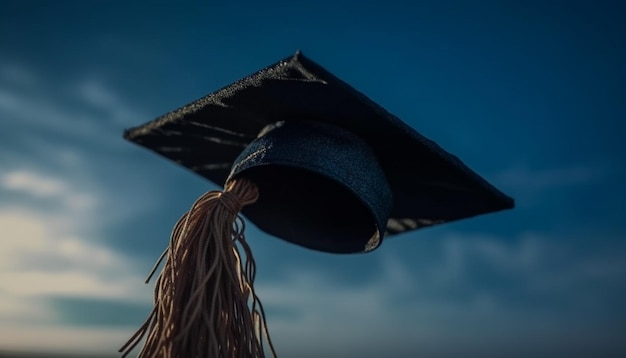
x=24 y=310
x=39 y=258
x=524 y=178
x=9 y=102
x=397 y=310
x=18 y=75
x=327 y=318
x=54 y=253
x=539 y=264
x=50 y=244
x=62 y=339
x=412 y=311
x=95 y=94
x=84 y=109
x=37 y=112
x=31 y=183
x=42 y=186
x=47 y=254
x=523 y=254
x=72 y=283
x=50 y=159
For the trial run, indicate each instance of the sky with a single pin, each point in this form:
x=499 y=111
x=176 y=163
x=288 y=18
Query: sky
x=529 y=94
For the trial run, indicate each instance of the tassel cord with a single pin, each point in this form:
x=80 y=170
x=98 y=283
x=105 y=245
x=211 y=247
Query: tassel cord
x=202 y=295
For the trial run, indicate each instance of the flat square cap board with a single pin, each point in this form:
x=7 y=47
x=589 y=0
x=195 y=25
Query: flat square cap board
x=427 y=185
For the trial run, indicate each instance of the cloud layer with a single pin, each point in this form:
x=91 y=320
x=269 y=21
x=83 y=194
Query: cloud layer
x=83 y=214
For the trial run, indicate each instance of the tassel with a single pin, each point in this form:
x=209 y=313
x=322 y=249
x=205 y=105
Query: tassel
x=202 y=295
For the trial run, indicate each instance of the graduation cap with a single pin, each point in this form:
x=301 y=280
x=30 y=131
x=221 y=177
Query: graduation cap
x=328 y=168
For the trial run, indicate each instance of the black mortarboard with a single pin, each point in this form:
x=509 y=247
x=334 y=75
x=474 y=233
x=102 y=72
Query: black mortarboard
x=336 y=172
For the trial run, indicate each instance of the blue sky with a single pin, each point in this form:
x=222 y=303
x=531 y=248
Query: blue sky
x=530 y=94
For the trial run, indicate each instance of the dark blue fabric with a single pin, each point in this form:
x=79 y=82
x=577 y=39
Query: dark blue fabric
x=331 y=152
